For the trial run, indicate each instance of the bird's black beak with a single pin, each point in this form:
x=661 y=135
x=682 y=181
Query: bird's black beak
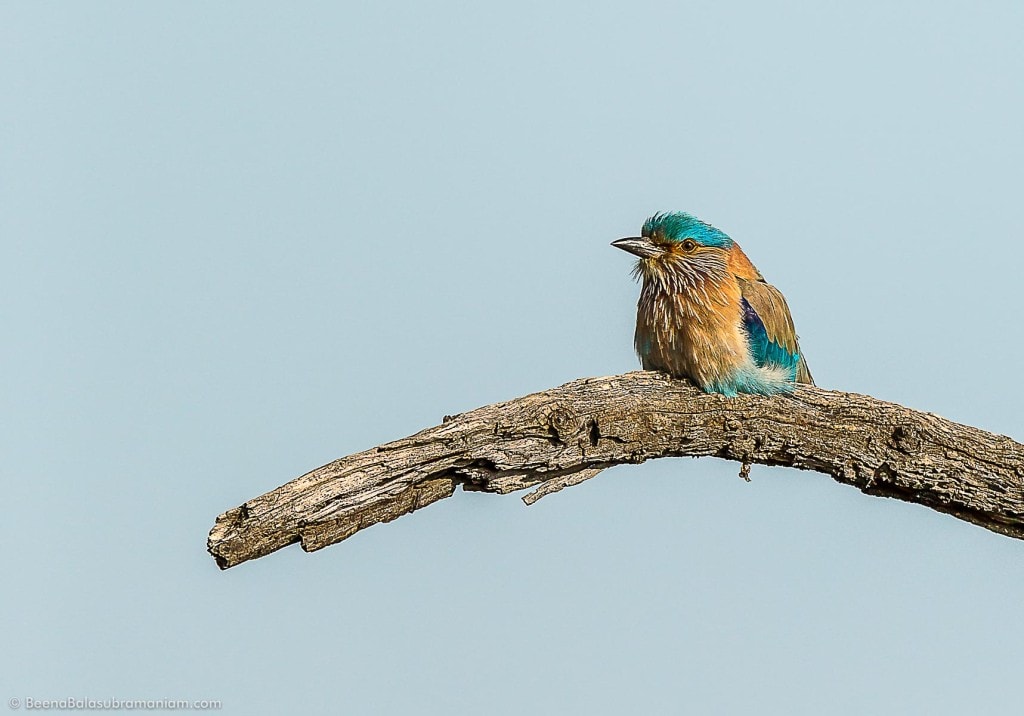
x=638 y=246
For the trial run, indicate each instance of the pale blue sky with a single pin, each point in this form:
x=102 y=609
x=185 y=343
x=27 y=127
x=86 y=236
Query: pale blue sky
x=238 y=240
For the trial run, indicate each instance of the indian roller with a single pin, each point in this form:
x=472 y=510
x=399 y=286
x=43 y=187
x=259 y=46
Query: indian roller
x=707 y=314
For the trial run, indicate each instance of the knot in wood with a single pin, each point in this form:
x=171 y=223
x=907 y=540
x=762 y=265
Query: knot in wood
x=562 y=422
x=884 y=474
x=906 y=438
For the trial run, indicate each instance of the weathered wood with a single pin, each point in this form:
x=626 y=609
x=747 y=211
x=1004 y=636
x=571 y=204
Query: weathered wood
x=563 y=436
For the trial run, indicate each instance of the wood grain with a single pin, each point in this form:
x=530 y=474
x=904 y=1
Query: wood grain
x=563 y=436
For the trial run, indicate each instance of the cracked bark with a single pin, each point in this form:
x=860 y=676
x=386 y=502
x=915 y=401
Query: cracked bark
x=563 y=436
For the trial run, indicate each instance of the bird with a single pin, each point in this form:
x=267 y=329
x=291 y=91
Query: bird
x=707 y=314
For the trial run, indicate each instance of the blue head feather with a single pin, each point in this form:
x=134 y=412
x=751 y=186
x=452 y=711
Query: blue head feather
x=678 y=225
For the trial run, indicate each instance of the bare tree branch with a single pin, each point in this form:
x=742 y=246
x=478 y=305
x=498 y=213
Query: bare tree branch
x=563 y=436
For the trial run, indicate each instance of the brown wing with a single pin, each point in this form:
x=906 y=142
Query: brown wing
x=770 y=306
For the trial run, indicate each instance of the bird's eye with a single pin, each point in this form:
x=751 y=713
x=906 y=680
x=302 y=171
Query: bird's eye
x=689 y=246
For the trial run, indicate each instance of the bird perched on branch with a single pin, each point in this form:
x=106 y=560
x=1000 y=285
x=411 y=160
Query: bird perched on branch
x=707 y=314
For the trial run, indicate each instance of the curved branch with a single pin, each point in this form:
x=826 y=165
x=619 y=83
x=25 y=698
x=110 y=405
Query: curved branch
x=565 y=435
